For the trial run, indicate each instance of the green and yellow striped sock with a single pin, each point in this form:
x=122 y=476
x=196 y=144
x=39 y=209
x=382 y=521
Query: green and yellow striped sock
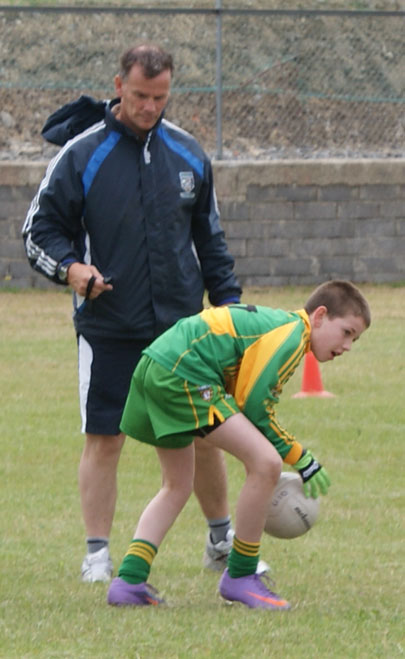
x=137 y=562
x=243 y=558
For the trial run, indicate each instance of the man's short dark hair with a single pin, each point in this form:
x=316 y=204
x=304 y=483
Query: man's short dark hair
x=152 y=58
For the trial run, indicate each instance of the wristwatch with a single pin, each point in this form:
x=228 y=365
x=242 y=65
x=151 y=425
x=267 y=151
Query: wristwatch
x=62 y=270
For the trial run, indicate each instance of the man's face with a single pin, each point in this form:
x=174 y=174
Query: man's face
x=142 y=99
x=331 y=337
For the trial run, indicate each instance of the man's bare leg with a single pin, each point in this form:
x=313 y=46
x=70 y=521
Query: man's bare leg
x=98 y=493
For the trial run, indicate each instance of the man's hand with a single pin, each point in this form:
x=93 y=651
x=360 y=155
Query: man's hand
x=315 y=477
x=87 y=281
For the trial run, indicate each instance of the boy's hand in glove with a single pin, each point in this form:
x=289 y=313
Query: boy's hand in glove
x=315 y=477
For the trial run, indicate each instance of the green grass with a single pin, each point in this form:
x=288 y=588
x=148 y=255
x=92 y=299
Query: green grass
x=345 y=578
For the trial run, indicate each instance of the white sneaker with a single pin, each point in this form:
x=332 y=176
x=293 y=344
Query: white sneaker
x=263 y=568
x=216 y=555
x=97 y=566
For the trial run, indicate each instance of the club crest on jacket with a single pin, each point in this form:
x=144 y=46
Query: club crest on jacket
x=187 y=185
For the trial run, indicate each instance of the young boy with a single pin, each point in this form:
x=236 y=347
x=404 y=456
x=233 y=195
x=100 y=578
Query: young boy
x=218 y=375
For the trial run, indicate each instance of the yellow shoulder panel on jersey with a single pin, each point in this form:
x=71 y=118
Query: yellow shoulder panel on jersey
x=256 y=358
x=219 y=320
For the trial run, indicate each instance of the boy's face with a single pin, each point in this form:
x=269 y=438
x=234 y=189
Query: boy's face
x=331 y=337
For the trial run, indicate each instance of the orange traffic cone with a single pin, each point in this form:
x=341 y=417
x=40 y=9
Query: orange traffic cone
x=311 y=379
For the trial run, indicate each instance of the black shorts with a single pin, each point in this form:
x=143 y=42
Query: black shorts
x=105 y=370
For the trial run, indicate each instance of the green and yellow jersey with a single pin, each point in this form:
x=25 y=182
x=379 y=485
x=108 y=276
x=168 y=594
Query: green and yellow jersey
x=251 y=351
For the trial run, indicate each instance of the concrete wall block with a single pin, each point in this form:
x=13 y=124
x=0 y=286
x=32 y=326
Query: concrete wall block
x=286 y=222
x=295 y=267
x=227 y=181
x=385 y=278
x=254 y=266
x=286 y=229
x=8 y=193
x=389 y=247
x=374 y=227
x=15 y=228
x=20 y=284
x=21 y=269
x=236 y=247
x=231 y=210
x=272 y=281
x=317 y=247
x=338 y=193
x=357 y=209
x=13 y=193
x=315 y=210
x=259 y=281
x=260 y=194
x=330 y=229
x=299 y=193
x=381 y=192
x=44 y=284
x=268 y=247
x=13 y=209
x=22 y=173
x=381 y=264
x=317 y=228
x=4 y=229
x=400 y=227
x=244 y=229
x=337 y=266
x=336 y=229
x=276 y=210
x=362 y=245
x=392 y=208
x=12 y=249
x=378 y=246
x=4 y=268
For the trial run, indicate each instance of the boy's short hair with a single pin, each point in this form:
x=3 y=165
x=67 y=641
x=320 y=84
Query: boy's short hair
x=152 y=58
x=340 y=298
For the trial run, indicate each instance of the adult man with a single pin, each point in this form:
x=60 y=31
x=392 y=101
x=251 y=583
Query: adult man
x=127 y=216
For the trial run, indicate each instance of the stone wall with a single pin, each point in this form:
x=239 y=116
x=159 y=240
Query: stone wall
x=286 y=222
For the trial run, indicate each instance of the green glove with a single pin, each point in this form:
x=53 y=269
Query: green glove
x=315 y=477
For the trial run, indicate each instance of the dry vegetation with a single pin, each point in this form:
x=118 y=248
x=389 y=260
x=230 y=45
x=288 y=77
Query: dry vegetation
x=293 y=85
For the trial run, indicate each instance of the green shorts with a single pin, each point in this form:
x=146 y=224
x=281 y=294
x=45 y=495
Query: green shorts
x=164 y=410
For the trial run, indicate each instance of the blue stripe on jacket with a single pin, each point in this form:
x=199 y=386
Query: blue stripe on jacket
x=97 y=159
x=182 y=151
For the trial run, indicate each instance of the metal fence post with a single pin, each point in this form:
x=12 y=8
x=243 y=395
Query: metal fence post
x=218 y=86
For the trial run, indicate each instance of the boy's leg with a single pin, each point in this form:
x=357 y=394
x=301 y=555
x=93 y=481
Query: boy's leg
x=177 y=466
x=210 y=479
x=130 y=588
x=210 y=488
x=239 y=437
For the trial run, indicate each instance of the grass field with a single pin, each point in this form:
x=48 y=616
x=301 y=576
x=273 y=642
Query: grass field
x=345 y=578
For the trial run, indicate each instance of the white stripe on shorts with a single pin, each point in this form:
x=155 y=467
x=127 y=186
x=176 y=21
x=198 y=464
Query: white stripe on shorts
x=85 y=361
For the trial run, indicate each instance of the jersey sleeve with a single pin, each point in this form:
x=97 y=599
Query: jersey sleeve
x=266 y=366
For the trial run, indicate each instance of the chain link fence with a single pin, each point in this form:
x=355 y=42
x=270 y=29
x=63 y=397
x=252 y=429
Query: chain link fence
x=248 y=83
